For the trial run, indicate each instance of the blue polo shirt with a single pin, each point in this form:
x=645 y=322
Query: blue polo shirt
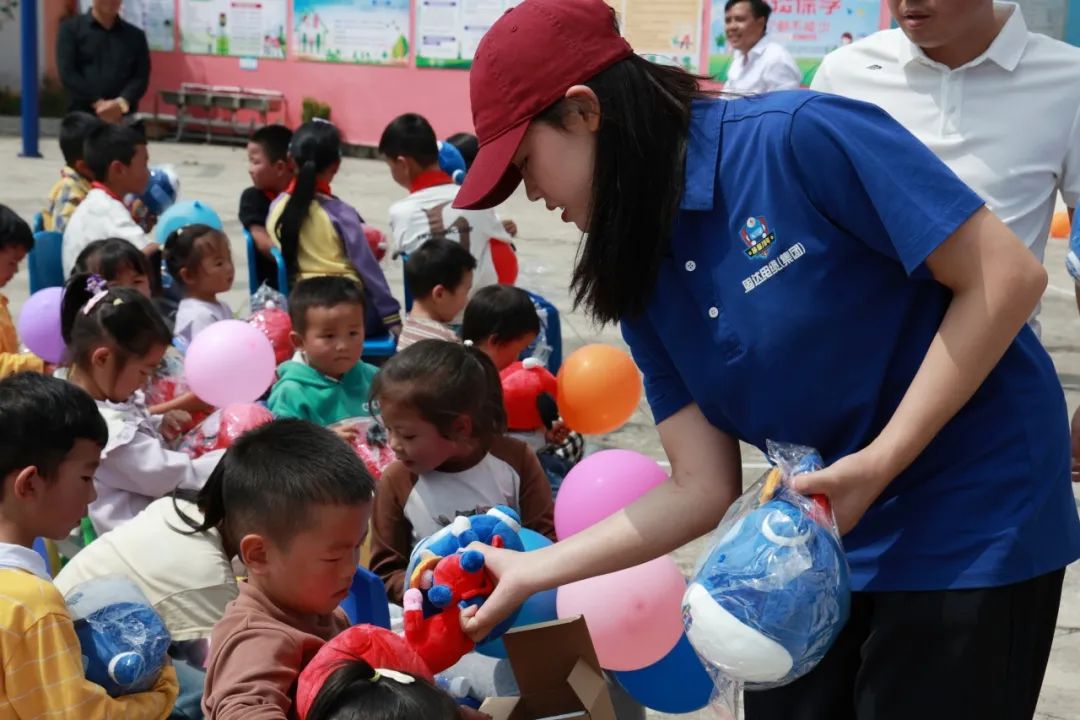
x=795 y=305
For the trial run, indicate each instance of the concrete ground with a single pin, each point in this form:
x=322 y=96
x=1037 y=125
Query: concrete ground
x=547 y=247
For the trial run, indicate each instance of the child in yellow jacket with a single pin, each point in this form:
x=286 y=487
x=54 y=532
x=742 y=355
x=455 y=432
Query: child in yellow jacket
x=16 y=241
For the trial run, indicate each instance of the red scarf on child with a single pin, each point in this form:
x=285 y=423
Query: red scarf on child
x=429 y=179
x=321 y=186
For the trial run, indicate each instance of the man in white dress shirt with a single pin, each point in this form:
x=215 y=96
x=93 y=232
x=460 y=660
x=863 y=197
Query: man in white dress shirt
x=758 y=63
x=998 y=104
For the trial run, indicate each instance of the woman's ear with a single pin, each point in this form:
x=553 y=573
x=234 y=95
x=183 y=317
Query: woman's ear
x=253 y=553
x=586 y=105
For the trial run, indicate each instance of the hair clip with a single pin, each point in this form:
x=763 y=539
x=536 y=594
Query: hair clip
x=96 y=284
x=321 y=120
x=92 y=302
x=467 y=343
x=398 y=677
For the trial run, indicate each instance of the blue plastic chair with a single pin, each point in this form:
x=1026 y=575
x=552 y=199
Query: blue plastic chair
x=366 y=602
x=39 y=223
x=46 y=261
x=253 y=271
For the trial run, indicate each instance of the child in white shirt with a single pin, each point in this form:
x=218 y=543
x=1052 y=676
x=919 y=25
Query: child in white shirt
x=199 y=260
x=116 y=339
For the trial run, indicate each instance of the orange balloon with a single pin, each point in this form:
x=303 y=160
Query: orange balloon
x=1059 y=226
x=599 y=389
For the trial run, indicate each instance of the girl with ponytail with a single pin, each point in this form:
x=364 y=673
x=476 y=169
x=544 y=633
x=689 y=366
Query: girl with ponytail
x=320 y=234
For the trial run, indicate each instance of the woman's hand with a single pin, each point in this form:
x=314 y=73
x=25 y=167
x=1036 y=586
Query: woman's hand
x=851 y=483
x=513 y=586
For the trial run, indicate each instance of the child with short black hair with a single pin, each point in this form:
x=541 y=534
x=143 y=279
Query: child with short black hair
x=442 y=406
x=271 y=172
x=320 y=234
x=411 y=151
x=501 y=320
x=16 y=240
x=118 y=262
x=439 y=276
x=118 y=159
x=75 y=176
x=326 y=381
x=49 y=449
x=116 y=339
x=297 y=502
x=199 y=260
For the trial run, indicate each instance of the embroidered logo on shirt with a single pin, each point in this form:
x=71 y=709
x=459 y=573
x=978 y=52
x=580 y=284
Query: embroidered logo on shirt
x=758 y=238
x=874 y=67
x=767 y=272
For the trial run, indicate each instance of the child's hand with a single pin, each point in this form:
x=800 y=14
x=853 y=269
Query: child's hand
x=510 y=227
x=557 y=434
x=348 y=433
x=173 y=423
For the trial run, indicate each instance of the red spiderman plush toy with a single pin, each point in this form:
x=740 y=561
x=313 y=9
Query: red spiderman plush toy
x=529 y=392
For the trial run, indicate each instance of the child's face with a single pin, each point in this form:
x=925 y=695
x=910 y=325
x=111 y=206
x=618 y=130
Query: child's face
x=117 y=378
x=333 y=340
x=266 y=174
x=313 y=572
x=447 y=304
x=505 y=354
x=417 y=443
x=216 y=271
x=10 y=257
x=131 y=178
x=55 y=505
x=132 y=278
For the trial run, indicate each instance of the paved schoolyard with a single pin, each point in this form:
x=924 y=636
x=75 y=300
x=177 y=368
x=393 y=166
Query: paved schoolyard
x=217 y=175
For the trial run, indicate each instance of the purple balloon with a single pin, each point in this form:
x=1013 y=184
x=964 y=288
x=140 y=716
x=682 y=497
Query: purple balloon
x=39 y=325
x=229 y=362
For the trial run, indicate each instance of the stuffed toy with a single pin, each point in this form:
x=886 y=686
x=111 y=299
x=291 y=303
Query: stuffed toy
x=459 y=581
x=451 y=161
x=124 y=642
x=498 y=527
x=773 y=593
x=529 y=392
x=378 y=647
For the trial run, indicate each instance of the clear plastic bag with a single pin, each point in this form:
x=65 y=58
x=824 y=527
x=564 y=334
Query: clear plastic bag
x=124 y=642
x=269 y=313
x=167 y=382
x=222 y=427
x=771 y=593
x=370 y=443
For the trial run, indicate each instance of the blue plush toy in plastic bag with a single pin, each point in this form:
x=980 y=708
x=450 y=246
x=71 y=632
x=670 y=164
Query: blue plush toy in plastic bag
x=162 y=190
x=451 y=161
x=1072 y=260
x=124 y=642
x=772 y=593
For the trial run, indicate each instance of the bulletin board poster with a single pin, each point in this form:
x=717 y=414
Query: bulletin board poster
x=368 y=32
x=809 y=29
x=233 y=28
x=448 y=31
x=665 y=31
x=156 y=18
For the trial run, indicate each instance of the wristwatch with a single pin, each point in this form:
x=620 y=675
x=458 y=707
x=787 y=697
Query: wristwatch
x=125 y=108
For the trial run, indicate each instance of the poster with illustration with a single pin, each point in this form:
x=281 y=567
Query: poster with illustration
x=237 y=28
x=156 y=18
x=665 y=31
x=370 y=32
x=809 y=29
x=448 y=31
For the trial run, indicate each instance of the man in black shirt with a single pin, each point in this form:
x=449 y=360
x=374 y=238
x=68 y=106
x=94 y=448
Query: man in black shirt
x=104 y=62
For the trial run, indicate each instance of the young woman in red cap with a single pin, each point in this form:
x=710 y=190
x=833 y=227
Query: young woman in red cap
x=798 y=267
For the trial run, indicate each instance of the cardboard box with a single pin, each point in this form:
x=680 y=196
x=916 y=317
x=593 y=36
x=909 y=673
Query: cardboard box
x=557 y=673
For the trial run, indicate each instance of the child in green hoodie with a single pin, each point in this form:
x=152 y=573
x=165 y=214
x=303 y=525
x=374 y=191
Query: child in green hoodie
x=326 y=381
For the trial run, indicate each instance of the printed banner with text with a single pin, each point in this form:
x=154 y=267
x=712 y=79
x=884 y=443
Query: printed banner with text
x=351 y=31
x=237 y=28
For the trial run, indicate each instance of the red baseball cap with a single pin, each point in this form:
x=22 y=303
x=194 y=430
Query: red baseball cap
x=528 y=60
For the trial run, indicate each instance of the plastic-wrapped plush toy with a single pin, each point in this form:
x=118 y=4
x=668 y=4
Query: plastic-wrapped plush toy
x=529 y=392
x=772 y=592
x=378 y=647
x=451 y=161
x=222 y=427
x=377 y=241
x=370 y=443
x=162 y=190
x=124 y=642
x=269 y=313
x=1072 y=260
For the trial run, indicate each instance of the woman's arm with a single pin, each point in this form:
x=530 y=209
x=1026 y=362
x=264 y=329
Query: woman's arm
x=996 y=284
x=706 y=478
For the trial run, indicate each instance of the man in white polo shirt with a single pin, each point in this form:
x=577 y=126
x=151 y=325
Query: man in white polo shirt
x=998 y=104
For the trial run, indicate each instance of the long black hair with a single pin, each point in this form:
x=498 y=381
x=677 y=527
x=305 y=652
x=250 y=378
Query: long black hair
x=443 y=381
x=315 y=146
x=110 y=257
x=354 y=691
x=637 y=181
x=121 y=317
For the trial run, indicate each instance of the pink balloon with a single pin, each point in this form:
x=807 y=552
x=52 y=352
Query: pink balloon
x=601 y=485
x=634 y=615
x=229 y=362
